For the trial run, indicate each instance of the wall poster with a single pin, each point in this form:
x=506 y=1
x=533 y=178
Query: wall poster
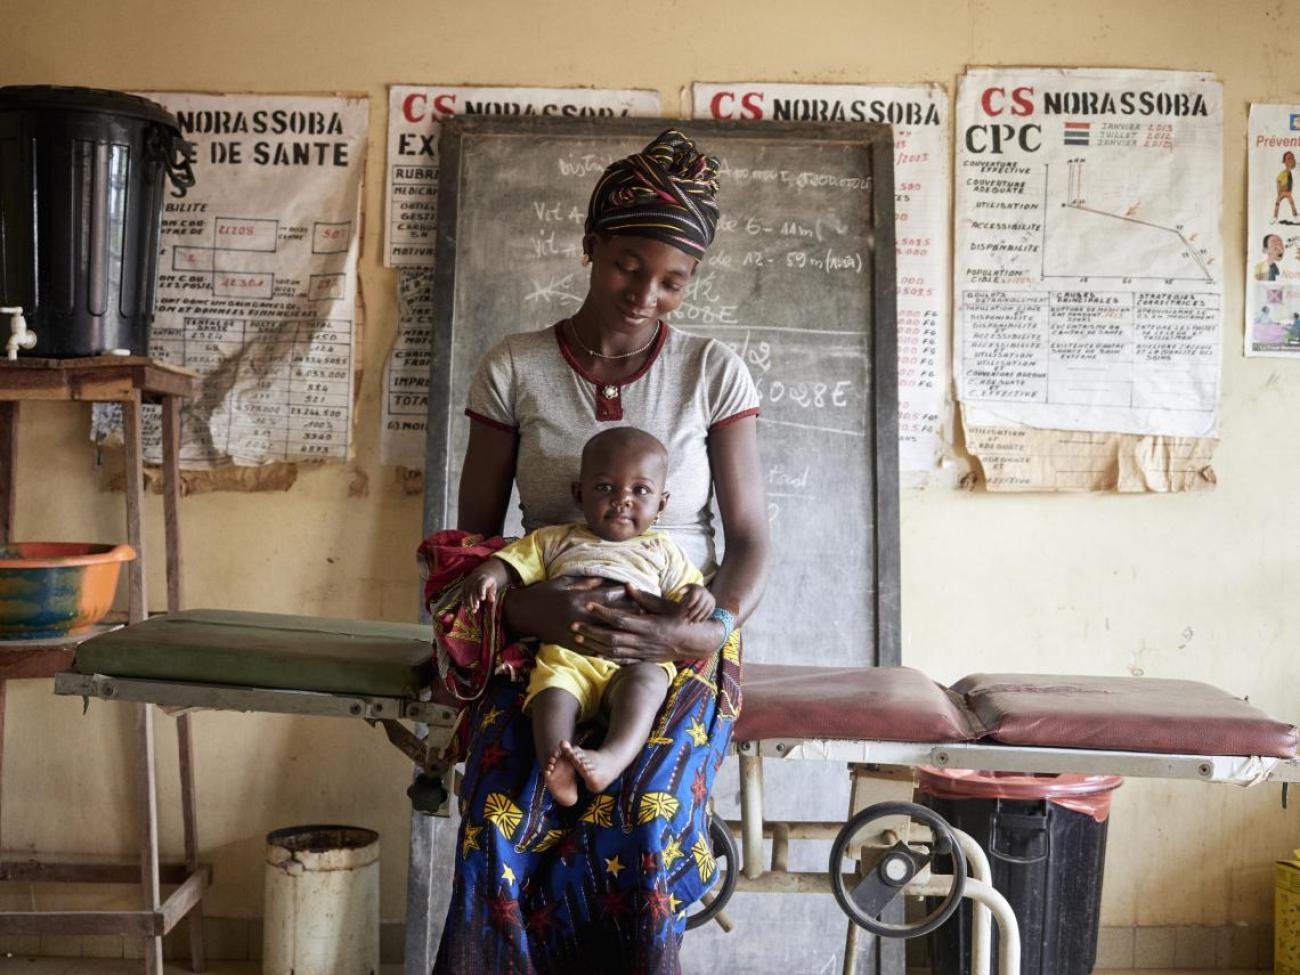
x=1272 y=232
x=920 y=116
x=410 y=201
x=257 y=278
x=1088 y=265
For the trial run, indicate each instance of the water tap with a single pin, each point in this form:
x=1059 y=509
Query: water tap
x=20 y=336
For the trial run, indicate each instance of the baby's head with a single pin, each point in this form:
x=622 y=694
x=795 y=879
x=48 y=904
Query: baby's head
x=621 y=490
x=1288 y=159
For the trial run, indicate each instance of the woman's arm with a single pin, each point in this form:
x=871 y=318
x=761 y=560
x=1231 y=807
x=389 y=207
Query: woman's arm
x=486 y=478
x=663 y=632
x=738 y=484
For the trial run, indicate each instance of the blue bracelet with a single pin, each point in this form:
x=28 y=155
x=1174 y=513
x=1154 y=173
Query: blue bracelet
x=728 y=621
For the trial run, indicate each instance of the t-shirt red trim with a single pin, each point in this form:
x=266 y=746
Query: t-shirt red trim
x=488 y=421
x=728 y=421
x=609 y=407
x=572 y=360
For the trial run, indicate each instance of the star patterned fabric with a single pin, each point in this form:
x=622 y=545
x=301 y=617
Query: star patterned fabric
x=602 y=887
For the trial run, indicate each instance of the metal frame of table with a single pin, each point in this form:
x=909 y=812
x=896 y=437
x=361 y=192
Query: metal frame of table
x=879 y=770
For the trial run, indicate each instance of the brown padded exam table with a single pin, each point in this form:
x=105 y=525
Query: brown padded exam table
x=882 y=722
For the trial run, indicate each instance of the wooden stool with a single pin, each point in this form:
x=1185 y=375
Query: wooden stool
x=129 y=381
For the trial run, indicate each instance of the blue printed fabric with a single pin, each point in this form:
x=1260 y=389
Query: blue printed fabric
x=600 y=888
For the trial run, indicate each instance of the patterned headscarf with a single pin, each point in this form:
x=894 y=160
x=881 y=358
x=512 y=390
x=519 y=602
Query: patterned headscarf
x=666 y=191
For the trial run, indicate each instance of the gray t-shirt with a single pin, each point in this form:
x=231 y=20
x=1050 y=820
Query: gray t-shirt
x=531 y=384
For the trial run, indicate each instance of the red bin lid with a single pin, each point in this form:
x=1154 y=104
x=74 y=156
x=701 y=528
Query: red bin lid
x=957 y=783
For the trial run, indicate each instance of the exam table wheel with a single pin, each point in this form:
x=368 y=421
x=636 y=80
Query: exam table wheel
x=727 y=857
x=894 y=869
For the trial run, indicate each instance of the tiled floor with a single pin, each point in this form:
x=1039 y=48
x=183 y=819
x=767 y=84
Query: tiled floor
x=98 y=966
x=12 y=965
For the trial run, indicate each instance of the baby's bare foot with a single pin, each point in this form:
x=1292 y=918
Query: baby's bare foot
x=561 y=778
x=597 y=768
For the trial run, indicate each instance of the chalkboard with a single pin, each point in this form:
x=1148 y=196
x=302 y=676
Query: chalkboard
x=799 y=281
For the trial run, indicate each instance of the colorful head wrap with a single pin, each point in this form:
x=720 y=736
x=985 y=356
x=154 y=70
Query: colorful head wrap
x=666 y=191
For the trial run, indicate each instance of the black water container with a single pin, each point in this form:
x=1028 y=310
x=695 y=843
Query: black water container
x=81 y=192
x=1045 y=837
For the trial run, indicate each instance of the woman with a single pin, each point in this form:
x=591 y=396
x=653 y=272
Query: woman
x=603 y=886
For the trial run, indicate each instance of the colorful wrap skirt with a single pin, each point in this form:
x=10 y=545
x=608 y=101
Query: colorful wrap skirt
x=599 y=888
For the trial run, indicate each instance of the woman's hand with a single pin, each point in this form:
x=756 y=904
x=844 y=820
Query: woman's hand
x=548 y=610
x=655 y=629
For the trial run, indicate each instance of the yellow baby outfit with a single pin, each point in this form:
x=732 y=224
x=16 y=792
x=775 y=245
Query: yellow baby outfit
x=652 y=562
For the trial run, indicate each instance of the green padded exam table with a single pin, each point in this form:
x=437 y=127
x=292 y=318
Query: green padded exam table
x=207 y=659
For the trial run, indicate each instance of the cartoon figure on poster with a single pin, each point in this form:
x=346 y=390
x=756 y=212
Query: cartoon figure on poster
x=1285 y=183
x=1274 y=249
x=1273 y=240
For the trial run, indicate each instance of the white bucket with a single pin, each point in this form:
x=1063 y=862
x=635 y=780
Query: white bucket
x=322 y=901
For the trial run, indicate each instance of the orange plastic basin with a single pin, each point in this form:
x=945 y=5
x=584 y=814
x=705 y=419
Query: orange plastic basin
x=54 y=589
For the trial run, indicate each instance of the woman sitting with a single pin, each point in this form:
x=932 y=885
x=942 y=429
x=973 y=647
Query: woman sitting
x=602 y=885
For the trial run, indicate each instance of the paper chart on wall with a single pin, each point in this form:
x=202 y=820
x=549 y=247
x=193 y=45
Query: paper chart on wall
x=1088 y=257
x=1022 y=459
x=257 y=277
x=919 y=115
x=1273 y=232
x=410 y=195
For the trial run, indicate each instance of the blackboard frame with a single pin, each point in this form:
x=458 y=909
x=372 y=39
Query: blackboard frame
x=881 y=336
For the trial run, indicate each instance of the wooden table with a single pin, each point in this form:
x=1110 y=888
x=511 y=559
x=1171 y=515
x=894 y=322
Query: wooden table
x=129 y=381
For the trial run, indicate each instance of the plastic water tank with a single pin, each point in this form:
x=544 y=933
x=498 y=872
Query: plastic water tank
x=81 y=193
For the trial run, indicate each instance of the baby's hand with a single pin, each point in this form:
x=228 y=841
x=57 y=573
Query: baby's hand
x=480 y=587
x=699 y=603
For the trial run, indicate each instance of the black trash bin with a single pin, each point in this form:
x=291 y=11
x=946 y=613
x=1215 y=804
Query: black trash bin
x=81 y=194
x=1045 y=837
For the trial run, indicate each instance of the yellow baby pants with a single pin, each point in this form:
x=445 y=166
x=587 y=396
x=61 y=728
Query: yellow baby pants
x=584 y=677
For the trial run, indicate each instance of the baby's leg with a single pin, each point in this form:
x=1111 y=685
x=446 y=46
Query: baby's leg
x=555 y=717
x=635 y=695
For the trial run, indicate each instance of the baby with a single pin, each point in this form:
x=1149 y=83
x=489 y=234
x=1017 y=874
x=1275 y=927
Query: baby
x=621 y=493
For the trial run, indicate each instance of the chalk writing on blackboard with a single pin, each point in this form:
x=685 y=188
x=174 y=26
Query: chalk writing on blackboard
x=792 y=283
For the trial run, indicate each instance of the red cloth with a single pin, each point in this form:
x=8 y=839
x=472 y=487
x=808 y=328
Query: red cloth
x=468 y=647
x=449 y=555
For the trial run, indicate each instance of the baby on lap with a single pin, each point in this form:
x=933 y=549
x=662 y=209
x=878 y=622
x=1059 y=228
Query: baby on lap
x=621 y=493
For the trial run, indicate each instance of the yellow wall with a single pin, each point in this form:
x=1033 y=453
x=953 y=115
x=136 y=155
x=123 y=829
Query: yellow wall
x=1199 y=586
